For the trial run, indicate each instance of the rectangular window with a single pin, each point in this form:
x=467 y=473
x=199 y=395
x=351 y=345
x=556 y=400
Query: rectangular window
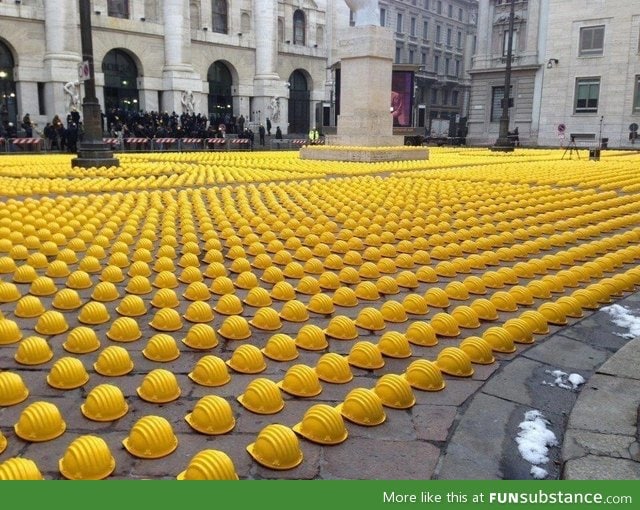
x=399 y=23
x=448 y=37
x=458 y=68
x=636 y=96
x=118 y=9
x=445 y=97
x=426 y=4
x=591 y=41
x=423 y=58
x=447 y=66
x=497 y=95
x=438 y=33
x=439 y=7
x=505 y=43
x=411 y=56
x=460 y=14
x=41 y=101
x=459 y=40
x=450 y=11
x=436 y=64
x=413 y=27
x=425 y=30
x=383 y=17
x=434 y=96
x=454 y=97
x=398 y=54
x=587 y=93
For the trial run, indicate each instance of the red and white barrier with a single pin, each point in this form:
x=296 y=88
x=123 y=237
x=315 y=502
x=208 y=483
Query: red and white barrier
x=27 y=143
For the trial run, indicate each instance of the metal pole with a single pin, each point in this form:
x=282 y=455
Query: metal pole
x=503 y=143
x=92 y=151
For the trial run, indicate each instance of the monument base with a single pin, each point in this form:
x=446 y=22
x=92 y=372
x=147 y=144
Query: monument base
x=364 y=154
x=94 y=154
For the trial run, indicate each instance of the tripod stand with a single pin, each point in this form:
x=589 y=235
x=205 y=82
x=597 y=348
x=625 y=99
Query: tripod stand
x=570 y=149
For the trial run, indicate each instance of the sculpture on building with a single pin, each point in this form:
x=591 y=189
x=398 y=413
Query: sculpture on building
x=72 y=95
x=188 y=102
x=275 y=108
x=365 y=12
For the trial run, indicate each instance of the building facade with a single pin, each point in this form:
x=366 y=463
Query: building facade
x=576 y=71
x=256 y=58
x=436 y=37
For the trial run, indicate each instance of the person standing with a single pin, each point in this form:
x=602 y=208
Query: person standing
x=240 y=123
x=268 y=126
x=278 y=133
x=261 y=132
x=27 y=126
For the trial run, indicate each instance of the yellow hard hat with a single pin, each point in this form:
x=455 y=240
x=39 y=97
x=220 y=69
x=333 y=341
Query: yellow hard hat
x=166 y=319
x=19 y=468
x=478 y=350
x=280 y=347
x=437 y=298
x=159 y=387
x=33 y=350
x=301 y=381
x=333 y=368
x=10 y=332
x=499 y=339
x=51 y=322
x=104 y=403
x=39 y=422
x=520 y=330
x=276 y=447
x=421 y=333
x=371 y=319
x=210 y=371
x=262 y=396
x=365 y=355
x=247 y=359
x=363 y=407
x=209 y=465
x=322 y=424
x=114 y=361
x=312 y=338
x=165 y=298
x=394 y=345
x=454 y=361
x=395 y=392
x=81 y=340
x=212 y=415
x=67 y=373
x=161 y=348
x=151 y=437
x=12 y=389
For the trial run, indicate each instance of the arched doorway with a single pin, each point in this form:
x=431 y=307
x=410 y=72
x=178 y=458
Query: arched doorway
x=299 y=97
x=220 y=99
x=120 y=81
x=8 y=103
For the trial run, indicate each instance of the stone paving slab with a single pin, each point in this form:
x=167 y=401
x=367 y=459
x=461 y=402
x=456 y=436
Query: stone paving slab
x=579 y=443
x=566 y=352
x=626 y=362
x=596 y=467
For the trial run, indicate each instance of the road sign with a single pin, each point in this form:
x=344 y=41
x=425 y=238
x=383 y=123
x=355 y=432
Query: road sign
x=633 y=127
x=561 y=136
x=84 y=73
x=561 y=128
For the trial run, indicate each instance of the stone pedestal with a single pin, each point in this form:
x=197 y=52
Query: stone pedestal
x=366 y=62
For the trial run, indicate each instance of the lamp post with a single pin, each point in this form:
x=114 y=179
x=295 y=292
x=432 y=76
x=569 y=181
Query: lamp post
x=503 y=143
x=92 y=151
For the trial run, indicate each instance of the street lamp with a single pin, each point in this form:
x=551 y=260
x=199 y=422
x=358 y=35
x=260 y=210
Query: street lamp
x=92 y=151
x=503 y=143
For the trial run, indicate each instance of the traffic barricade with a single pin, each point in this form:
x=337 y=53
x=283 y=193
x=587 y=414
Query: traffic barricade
x=240 y=144
x=114 y=143
x=191 y=144
x=215 y=143
x=26 y=144
x=165 y=144
x=136 y=144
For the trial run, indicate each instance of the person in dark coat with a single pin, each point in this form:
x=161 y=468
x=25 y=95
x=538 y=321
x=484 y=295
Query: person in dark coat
x=278 y=133
x=268 y=126
x=261 y=132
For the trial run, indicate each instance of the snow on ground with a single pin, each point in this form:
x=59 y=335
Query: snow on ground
x=623 y=318
x=563 y=380
x=534 y=440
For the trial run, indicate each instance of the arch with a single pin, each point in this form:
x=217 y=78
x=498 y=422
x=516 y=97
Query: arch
x=194 y=14
x=299 y=27
x=8 y=100
x=299 y=101
x=219 y=16
x=120 y=80
x=220 y=99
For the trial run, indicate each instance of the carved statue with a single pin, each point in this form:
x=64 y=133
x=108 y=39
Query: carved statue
x=365 y=12
x=275 y=108
x=188 y=102
x=72 y=92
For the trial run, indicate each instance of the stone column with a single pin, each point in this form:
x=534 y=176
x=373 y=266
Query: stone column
x=267 y=84
x=178 y=73
x=62 y=53
x=484 y=31
x=366 y=52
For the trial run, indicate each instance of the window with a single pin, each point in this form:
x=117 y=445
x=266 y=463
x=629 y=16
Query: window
x=352 y=19
x=436 y=64
x=425 y=30
x=219 y=16
x=448 y=37
x=399 y=23
x=505 y=42
x=636 y=96
x=439 y=7
x=587 y=92
x=459 y=40
x=41 y=100
x=423 y=58
x=398 y=54
x=438 y=33
x=447 y=66
x=445 y=97
x=299 y=27
x=591 y=41
x=458 y=65
x=411 y=56
x=118 y=8
x=454 y=97
x=413 y=27
x=383 y=17
x=460 y=14
x=434 y=96
x=426 y=4
x=497 y=95
x=450 y=11
x=245 y=23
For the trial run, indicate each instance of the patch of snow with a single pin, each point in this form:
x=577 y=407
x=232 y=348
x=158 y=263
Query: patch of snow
x=563 y=380
x=534 y=439
x=623 y=318
x=538 y=473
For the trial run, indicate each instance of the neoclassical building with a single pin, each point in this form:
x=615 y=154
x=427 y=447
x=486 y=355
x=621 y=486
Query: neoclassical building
x=258 y=58
x=576 y=66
